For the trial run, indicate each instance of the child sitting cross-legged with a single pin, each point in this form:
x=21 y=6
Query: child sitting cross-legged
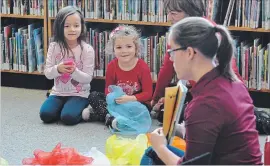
x=70 y=62
x=127 y=71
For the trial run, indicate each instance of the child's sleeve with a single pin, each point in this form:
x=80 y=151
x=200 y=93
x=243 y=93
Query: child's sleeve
x=164 y=79
x=109 y=77
x=88 y=59
x=147 y=85
x=50 y=70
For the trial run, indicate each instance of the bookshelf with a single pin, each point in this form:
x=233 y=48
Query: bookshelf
x=45 y=44
x=22 y=16
x=247 y=29
x=31 y=11
x=49 y=18
x=21 y=72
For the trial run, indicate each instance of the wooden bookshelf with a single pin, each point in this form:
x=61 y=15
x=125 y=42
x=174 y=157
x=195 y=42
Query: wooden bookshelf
x=20 y=72
x=48 y=21
x=103 y=78
x=123 y=22
x=45 y=4
x=44 y=18
x=232 y=28
x=22 y=16
x=165 y=24
x=262 y=90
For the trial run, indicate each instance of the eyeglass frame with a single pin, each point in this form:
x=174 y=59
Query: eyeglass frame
x=170 y=51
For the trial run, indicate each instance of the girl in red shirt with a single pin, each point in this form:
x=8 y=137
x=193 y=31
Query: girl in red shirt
x=127 y=70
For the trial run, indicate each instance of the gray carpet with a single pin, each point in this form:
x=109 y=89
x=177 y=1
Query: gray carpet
x=22 y=131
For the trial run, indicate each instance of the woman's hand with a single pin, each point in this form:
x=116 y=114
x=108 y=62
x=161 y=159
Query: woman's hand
x=62 y=68
x=158 y=140
x=125 y=98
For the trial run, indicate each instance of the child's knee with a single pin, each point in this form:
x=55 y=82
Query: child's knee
x=69 y=119
x=47 y=116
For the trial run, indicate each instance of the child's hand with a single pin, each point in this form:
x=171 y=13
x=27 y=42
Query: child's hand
x=124 y=99
x=65 y=68
x=71 y=69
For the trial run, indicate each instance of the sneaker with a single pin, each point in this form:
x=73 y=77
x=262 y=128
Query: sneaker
x=108 y=120
x=114 y=124
x=86 y=113
x=154 y=114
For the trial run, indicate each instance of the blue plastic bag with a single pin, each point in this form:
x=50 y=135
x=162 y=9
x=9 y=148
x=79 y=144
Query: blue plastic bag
x=132 y=117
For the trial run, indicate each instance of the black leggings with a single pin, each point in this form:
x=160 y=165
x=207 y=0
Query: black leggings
x=97 y=100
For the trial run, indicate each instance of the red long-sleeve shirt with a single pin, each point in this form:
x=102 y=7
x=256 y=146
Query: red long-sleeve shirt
x=135 y=82
x=167 y=72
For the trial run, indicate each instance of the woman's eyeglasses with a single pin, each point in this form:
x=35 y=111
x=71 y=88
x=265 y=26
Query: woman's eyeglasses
x=170 y=51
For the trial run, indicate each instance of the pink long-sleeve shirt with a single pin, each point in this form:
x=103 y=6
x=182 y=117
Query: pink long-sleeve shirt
x=78 y=83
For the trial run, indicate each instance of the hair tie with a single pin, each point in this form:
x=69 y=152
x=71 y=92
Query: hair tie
x=217 y=34
x=116 y=30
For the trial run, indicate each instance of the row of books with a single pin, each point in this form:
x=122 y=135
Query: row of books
x=22 y=48
x=136 y=10
x=22 y=7
x=212 y=8
x=253 y=61
x=248 y=13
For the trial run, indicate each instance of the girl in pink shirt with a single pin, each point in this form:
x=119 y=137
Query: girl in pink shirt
x=70 y=62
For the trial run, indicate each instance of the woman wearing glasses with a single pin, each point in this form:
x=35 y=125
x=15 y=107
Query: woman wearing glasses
x=177 y=10
x=220 y=118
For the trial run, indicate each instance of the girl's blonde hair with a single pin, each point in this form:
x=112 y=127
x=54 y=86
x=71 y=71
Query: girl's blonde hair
x=120 y=31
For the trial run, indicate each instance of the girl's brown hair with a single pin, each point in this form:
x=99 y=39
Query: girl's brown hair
x=196 y=37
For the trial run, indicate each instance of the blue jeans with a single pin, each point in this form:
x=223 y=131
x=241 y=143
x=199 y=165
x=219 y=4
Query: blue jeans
x=150 y=157
x=67 y=108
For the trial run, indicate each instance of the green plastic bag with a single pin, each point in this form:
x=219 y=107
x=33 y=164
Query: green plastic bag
x=3 y=162
x=126 y=151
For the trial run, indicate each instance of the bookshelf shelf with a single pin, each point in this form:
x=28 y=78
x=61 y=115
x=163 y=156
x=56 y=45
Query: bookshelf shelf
x=166 y=24
x=263 y=90
x=48 y=22
x=42 y=18
x=21 y=16
x=20 y=72
x=103 y=78
x=232 y=28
